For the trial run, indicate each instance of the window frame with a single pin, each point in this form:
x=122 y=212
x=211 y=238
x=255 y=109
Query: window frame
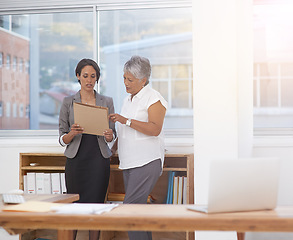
x=14 y=7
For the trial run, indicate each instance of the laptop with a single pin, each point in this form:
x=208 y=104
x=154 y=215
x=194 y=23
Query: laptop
x=242 y=185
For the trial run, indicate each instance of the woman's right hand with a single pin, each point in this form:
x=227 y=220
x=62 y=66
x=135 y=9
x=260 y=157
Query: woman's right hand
x=115 y=117
x=76 y=129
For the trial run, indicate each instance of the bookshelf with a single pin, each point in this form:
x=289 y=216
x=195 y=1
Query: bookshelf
x=182 y=164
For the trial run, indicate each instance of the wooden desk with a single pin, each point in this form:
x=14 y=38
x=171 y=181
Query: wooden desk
x=55 y=198
x=154 y=218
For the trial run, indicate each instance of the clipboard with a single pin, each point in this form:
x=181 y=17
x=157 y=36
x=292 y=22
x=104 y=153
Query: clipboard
x=94 y=119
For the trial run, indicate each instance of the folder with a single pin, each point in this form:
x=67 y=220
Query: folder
x=32 y=206
x=94 y=119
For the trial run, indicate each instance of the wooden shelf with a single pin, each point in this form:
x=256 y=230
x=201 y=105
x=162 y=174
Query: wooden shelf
x=181 y=163
x=43 y=168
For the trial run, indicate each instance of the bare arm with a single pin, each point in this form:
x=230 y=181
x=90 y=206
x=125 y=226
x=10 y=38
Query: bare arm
x=156 y=115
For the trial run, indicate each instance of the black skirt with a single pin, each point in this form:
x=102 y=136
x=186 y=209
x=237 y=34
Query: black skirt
x=87 y=174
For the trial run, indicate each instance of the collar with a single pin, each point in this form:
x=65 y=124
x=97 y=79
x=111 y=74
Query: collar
x=140 y=93
x=77 y=96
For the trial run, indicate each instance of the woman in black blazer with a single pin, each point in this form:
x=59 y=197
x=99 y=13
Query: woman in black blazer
x=87 y=169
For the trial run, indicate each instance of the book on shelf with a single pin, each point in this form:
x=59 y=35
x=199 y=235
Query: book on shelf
x=180 y=189
x=169 y=199
x=177 y=189
x=184 y=197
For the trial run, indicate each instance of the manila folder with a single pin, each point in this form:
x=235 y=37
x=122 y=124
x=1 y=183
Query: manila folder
x=94 y=119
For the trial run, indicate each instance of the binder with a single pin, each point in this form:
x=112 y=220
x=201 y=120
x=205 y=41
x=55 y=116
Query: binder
x=47 y=183
x=180 y=189
x=184 y=200
x=63 y=185
x=25 y=184
x=40 y=183
x=31 y=183
x=55 y=180
x=175 y=190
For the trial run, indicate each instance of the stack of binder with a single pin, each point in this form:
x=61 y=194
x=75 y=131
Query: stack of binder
x=44 y=183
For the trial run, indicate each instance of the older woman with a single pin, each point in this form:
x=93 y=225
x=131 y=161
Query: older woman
x=140 y=137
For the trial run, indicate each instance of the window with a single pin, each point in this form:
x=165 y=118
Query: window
x=14 y=63
x=8 y=109
x=164 y=36
x=1 y=109
x=47 y=46
x=21 y=110
x=20 y=65
x=56 y=43
x=14 y=106
x=8 y=61
x=1 y=59
x=273 y=64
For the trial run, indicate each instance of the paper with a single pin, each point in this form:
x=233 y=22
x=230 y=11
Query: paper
x=84 y=208
x=93 y=119
x=32 y=206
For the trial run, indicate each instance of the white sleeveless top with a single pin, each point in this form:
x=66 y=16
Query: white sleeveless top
x=136 y=149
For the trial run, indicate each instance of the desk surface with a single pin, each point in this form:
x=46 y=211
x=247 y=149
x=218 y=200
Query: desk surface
x=155 y=218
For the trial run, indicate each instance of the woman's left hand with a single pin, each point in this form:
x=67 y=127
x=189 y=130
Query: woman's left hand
x=115 y=117
x=108 y=134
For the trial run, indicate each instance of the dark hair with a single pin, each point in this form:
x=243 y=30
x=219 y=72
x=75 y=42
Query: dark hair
x=87 y=62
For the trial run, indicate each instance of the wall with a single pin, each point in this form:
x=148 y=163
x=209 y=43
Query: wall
x=222 y=54
x=11 y=147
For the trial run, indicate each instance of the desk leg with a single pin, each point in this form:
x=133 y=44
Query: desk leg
x=65 y=234
x=240 y=235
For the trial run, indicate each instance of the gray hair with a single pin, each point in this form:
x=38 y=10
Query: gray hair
x=139 y=67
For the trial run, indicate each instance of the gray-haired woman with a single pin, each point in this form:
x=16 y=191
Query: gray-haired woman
x=140 y=137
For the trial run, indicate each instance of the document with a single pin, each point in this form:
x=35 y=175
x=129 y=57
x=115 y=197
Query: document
x=32 y=206
x=84 y=208
x=94 y=119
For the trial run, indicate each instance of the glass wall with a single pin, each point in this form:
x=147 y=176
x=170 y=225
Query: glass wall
x=273 y=64
x=39 y=52
x=164 y=36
